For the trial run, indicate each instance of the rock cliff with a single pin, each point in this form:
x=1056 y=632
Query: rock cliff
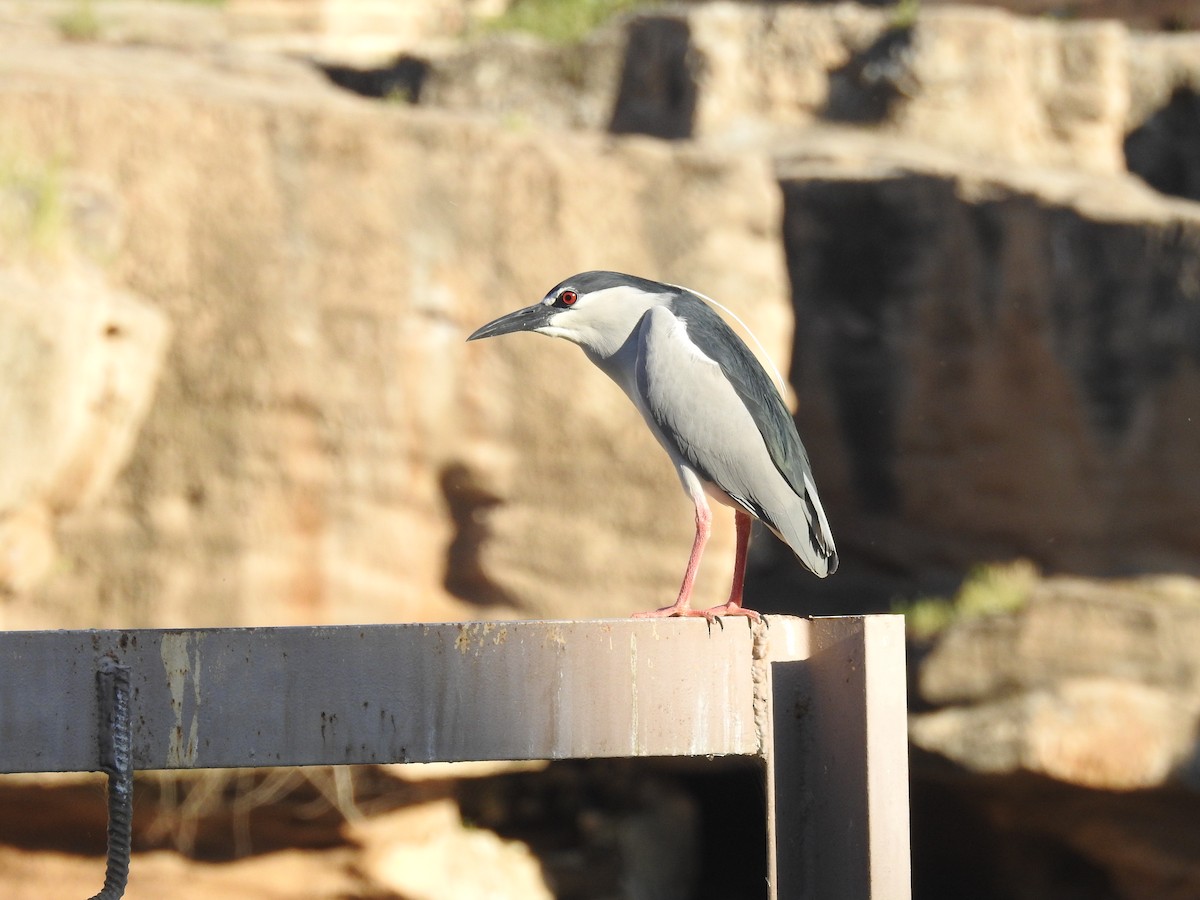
x=235 y=297
x=323 y=445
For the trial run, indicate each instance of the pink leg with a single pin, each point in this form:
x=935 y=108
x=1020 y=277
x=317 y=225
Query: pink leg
x=681 y=605
x=733 y=606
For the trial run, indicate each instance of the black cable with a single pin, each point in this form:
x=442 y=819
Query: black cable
x=116 y=760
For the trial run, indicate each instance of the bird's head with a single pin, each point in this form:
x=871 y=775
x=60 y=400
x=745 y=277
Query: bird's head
x=597 y=310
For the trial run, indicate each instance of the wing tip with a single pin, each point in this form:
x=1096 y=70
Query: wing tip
x=831 y=564
x=823 y=564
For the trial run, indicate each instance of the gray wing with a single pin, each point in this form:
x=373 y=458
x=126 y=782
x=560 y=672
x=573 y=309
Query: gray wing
x=714 y=409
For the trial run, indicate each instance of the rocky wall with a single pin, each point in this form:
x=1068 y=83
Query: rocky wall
x=322 y=444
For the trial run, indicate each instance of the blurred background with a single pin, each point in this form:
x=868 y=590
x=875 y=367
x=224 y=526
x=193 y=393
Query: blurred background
x=241 y=245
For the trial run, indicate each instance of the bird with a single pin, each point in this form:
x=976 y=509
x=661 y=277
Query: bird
x=707 y=400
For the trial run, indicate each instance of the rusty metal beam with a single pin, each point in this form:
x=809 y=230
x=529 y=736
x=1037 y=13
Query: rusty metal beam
x=820 y=702
x=337 y=695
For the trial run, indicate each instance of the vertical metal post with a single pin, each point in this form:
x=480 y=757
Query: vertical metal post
x=116 y=760
x=837 y=764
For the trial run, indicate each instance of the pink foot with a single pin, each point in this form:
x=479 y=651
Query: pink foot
x=712 y=614
x=731 y=609
x=677 y=610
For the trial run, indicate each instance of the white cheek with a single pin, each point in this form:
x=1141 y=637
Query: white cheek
x=562 y=325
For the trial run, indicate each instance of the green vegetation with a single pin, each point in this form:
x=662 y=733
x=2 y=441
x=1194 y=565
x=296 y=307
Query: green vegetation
x=987 y=591
x=562 y=21
x=80 y=22
x=904 y=14
x=515 y=121
x=400 y=96
x=33 y=214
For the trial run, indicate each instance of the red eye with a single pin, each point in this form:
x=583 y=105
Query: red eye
x=567 y=298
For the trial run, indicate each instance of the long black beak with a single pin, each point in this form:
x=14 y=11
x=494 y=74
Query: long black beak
x=528 y=319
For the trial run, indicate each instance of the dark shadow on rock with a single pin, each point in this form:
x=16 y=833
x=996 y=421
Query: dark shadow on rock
x=468 y=503
x=902 y=285
x=634 y=827
x=1186 y=772
x=657 y=95
x=1164 y=151
x=777 y=583
x=988 y=839
x=402 y=80
x=867 y=88
x=851 y=248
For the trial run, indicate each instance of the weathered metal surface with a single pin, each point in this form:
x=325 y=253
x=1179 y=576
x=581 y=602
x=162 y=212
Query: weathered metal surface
x=386 y=693
x=837 y=767
x=821 y=701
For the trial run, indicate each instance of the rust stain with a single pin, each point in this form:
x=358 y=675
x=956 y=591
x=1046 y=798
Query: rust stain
x=473 y=636
x=462 y=643
x=180 y=655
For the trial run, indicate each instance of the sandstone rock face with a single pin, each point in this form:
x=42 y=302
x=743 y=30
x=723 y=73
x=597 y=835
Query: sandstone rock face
x=995 y=354
x=323 y=445
x=523 y=81
x=360 y=29
x=1164 y=115
x=1171 y=15
x=992 y=359
x=979 y=82
x=995 y=349
x=1094 y=686
x=81 y=365
x=1008 y=361
x=182 y=25
x=425 y=852
x=1096 y=691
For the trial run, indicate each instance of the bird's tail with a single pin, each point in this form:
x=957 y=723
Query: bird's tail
x=806 y=530
x=820 y=537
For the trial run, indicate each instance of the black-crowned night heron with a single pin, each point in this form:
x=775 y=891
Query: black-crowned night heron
x=708 y=401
